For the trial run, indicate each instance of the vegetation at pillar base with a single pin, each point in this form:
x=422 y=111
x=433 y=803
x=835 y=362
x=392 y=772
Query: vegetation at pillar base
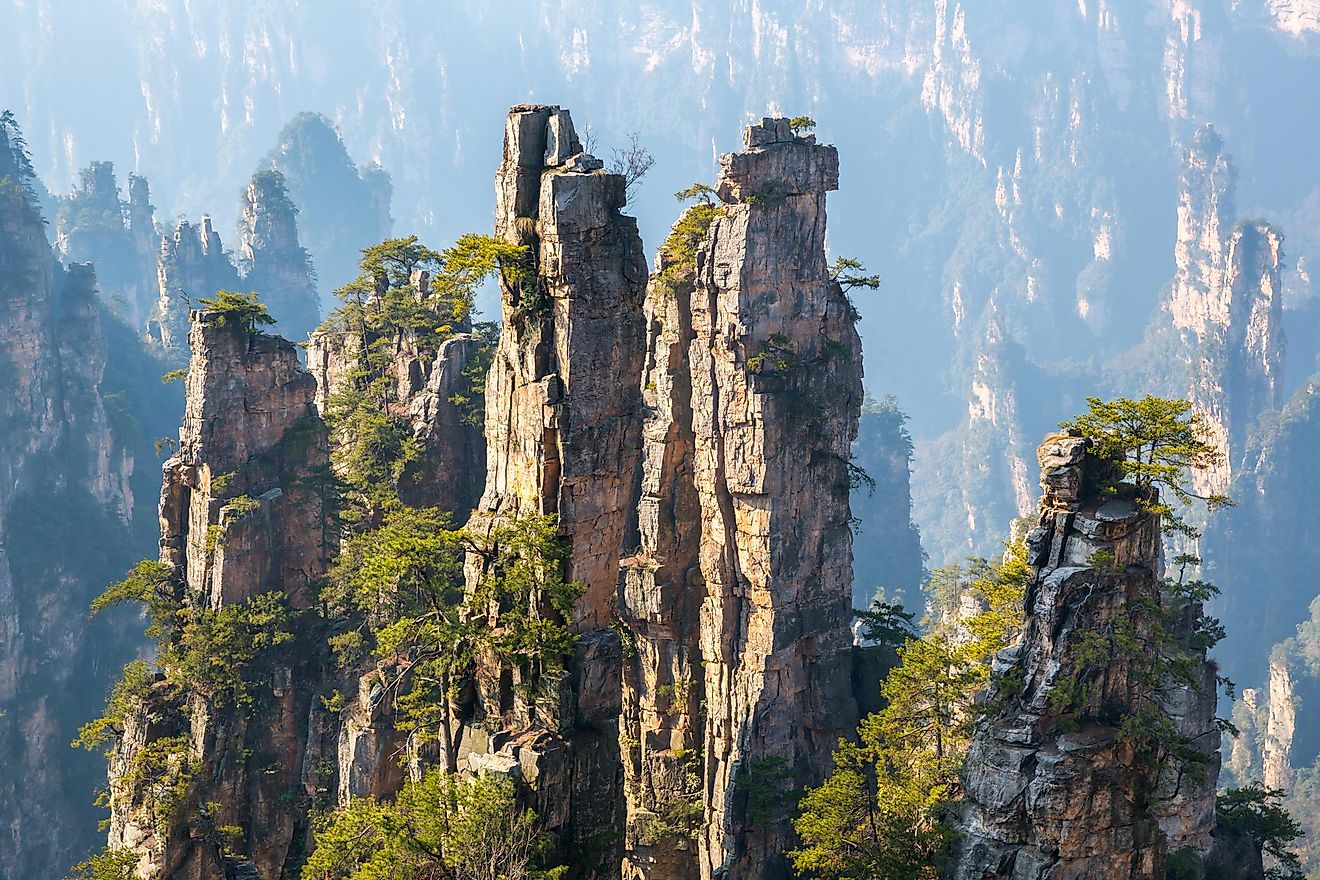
x=1258 y=813
x=398 y=590
x=882 y=811
x=109 y=864
x=440 y=827
x=1155 y=442
x=242 y=310
x=373 y=443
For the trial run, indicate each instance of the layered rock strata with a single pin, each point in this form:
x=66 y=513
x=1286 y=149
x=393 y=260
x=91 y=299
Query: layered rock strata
x=239 y=519
x=272 y=259
x=65 y=499
x=776 y=389
x=1052 y=788
x=1227 y=305
x=563 y=438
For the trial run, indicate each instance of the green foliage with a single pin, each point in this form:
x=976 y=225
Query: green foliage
x=850 y=273
x=1160 y=646
x=126 y=695
x=439 y=827
x=678 y=254
x=155 y=585
x=158 y=776
x=801 y=124
x=108 y=864
x=373 y=438
x=763 y=783
x=400 y=586
x=174 y=376
x=1258 y=812
x=886 y=624
x=881 y=811
x=242 y=310
x=775 y=354
x=225 y=653
x=1156 y=442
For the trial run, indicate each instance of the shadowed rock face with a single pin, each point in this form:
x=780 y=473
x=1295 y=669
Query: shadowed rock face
x=274 y=262
x=1052 y=789
x=237 y=520
x=776 y=390
x=563 y=437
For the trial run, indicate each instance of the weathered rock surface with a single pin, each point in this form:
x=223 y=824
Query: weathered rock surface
x=660 y=595
x=1052 y=790
x=273 y=261
x=450 y=471
x=776 y=391
x=237 y=520
x=1227 y=305
x=192 y=264
x=65 y=500
x=563 y=437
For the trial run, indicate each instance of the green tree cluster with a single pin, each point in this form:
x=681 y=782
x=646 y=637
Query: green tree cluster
x=242 y=310
x=439 y=828
x=881 y=812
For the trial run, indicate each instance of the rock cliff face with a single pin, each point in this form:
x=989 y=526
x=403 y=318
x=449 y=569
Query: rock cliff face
x=563 y=437
x=1052 y=789
x=192 y=264
x=451 y=469
x=887 y=552
x=1227 y=305
x=65 y=505
x=94 y=226
x=238 y=521
x=737 y=603
x=272 y=260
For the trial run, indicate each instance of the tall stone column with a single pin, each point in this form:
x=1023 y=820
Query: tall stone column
x=776 y=391
x=563 y=417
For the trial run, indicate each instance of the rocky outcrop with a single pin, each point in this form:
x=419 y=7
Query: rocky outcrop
x=192 y=265
x=1227 y=306
x=562 y=434
x=776 y=390
x=65 y=504
x=661 y=591
x=1280 y=728
x=449 y=471
x=344 y=208
x=1052 y=788
x=272 y=260
x=238 y=521
x=93 y=225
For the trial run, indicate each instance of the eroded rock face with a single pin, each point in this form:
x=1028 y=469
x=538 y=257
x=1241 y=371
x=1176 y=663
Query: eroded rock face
x=192 y=264
x=563 y=437
x=274 y=263
x=1280 y=728
x=450 y=472
x=1051 y=788
x=776 y=391
x=1227 y=305
x=238 y=519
